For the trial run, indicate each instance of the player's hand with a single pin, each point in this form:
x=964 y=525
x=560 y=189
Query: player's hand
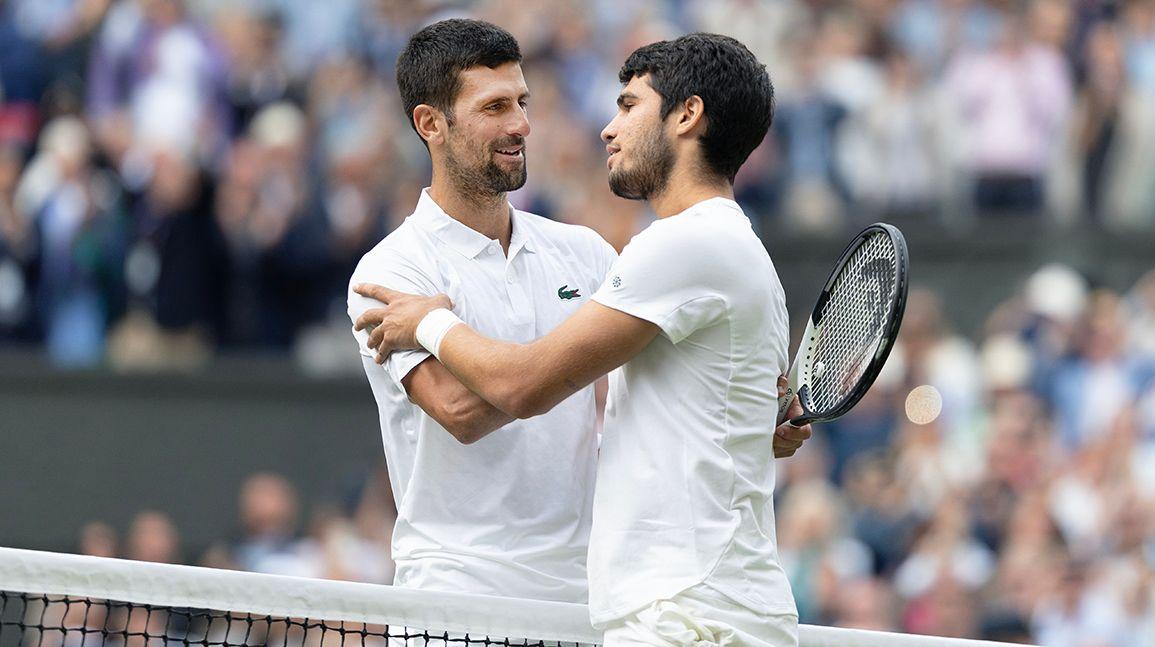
x=394 y=327
x=787 y=437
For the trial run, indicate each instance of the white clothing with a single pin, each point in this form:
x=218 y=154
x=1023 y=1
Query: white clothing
x=510 y=514
x=686 y=474
x=702 y=617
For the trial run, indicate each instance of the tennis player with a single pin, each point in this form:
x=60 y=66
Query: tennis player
x=486 y=503
x=683 y=548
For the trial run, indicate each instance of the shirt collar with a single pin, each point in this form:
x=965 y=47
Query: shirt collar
x=520 y=238
x=463 y=239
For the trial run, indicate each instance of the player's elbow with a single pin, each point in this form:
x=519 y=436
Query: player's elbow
x=465 y=421
x=527 y=403
x=465 y=433
x=465 y=430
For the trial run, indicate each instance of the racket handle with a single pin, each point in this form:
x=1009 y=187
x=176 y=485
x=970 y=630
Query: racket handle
x=791 y=392
x=783 y=405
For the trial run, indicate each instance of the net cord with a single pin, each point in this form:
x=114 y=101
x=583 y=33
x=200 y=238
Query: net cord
x=171 y=585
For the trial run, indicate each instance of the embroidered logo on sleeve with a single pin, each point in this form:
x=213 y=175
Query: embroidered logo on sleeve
x=566 y=295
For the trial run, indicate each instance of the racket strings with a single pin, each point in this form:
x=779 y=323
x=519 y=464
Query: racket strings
x=854 y=320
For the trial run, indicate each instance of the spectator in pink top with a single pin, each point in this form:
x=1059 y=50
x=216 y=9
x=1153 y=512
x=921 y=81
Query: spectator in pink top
x=1011 y=102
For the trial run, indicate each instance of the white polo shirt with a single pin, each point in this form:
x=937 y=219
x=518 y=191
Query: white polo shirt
x=686 y=474
x=510 y=514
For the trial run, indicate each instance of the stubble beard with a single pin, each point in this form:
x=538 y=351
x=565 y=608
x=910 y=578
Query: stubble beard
x=653 y=161
x=488 y=179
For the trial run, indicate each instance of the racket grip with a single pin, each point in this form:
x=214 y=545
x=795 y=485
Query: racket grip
x=783 y=405
x=791 y=388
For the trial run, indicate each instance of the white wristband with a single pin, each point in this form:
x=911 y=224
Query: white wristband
x=433 y=328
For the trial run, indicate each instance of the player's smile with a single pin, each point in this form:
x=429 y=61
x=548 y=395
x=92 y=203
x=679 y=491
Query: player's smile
x=510 y=153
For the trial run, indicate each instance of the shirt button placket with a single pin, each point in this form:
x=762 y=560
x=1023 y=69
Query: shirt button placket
x=518 y=298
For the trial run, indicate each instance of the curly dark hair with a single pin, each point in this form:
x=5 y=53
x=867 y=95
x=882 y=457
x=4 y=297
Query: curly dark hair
x=734 y=87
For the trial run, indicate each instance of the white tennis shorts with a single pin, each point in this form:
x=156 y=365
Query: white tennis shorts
x=701 y=617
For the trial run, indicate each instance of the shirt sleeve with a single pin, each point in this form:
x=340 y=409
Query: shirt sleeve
x=396 y=273
x=604 y=256
x=664 y=277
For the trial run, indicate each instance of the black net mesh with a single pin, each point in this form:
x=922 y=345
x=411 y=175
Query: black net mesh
x=33 y=620
x=853 y=322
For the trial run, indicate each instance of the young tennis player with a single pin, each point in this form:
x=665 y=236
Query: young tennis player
x=683 y=545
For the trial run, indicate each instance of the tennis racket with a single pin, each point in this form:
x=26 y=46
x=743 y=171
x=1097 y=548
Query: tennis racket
x=852 y=328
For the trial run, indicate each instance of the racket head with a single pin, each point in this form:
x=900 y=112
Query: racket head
x=852 y=327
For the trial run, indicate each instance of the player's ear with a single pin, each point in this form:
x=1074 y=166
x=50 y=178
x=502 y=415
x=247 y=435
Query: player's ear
x=691 y=115
x=430 y=123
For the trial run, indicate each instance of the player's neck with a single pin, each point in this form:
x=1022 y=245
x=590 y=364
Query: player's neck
x=686 y=189
x=486 y=214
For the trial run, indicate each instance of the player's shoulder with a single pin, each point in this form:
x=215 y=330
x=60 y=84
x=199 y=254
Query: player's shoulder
x=554 y=234
x=402 y=248
x=711 y=222
x=718 y=240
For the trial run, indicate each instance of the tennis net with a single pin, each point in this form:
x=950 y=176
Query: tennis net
x=55 y=600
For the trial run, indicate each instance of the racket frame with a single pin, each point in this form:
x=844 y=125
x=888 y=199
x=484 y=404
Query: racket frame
x=798 y=380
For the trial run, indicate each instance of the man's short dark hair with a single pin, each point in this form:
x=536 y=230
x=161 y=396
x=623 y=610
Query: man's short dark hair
x=733 y=85
x=429 y=68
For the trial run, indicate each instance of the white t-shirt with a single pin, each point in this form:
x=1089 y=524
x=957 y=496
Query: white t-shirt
x=510 y=514
x=686 y=475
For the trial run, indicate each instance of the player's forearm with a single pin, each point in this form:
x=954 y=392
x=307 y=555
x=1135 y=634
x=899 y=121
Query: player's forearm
x=518 y=379
x=464 y=414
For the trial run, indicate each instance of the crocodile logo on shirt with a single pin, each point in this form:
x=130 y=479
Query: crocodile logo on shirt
x=566 y=295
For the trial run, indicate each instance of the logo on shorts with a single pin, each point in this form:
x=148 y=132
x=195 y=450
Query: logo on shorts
x=566 y=295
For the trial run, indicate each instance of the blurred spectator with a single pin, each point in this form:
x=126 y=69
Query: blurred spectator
x=316 y=32
x=889 y=149
x=98 y=539
x=806 y=127
x=152 y=537
x=257 y=74
x=270 y=542
x=157 y=79
x=945 y=555
x=174 y=269
x=278 y=238
x=80 y=243
x=1011 y=102
x=816 y=548
x=365 y=546
x=932 y=30
x=867 y=603
x=1107 y=161
x=881 y=519
x=1100 y=380
x=1139 y=21
x=18 y=245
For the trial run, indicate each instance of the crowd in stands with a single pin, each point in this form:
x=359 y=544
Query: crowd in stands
x=182 y=177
